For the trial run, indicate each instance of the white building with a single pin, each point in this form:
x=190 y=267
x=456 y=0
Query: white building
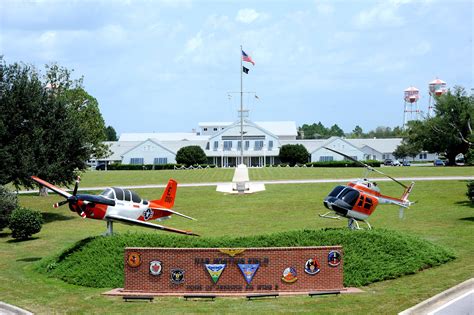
x=221 y=141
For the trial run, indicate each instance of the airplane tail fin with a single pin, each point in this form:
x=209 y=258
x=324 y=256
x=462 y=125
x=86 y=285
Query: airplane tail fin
x=169 y=194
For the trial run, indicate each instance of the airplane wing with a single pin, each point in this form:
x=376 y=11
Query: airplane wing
x=121 y=219
x=51 y=186
x=173 y=212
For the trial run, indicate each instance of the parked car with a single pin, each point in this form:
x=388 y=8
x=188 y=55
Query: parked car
x=100 y=167
x=387 y=162
x=406 y=163
x=396 y=163
x=438 y=163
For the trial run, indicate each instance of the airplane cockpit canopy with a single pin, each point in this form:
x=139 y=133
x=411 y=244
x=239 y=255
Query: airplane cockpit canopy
x=120 y=194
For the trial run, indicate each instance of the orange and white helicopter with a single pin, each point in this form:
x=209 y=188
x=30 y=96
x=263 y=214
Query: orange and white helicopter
x=358 y=199
x=121 y=205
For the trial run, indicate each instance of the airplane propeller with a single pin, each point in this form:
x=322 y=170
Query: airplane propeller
x=370 y=168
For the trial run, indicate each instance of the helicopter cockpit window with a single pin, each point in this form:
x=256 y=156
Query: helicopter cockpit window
x=350 y=196
x=108 y=193
x=135 y=198
x=336 y=191
x=118 y=193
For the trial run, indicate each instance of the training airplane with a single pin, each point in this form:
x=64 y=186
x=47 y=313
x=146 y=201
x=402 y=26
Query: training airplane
x=121 y=205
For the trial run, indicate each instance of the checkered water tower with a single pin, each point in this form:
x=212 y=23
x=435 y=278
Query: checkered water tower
x=436 y=88
x=411 y=111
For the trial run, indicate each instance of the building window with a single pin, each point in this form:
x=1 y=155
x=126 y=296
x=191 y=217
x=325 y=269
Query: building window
x=423 y=156
x=136 y=161
x=239 y=145
x=326 y=158
x=161 y=160
x=215 y=129
x=216 y=145
x=205 y=129
x=207 y=146
x=270 y=145
x=258 y=145
x=247 y=144
x=227 y=145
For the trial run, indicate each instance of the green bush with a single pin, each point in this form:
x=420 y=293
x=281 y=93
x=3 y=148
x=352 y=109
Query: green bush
x=470 y=190
x=293 y=154
x=25 y=222
x=372 y=163
x=369 y=256
x=8 y=203
x=191 y=155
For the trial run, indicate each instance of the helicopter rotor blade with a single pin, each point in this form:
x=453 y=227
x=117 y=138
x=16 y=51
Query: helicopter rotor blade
x=370 y=168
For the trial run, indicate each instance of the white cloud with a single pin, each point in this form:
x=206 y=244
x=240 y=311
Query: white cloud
x=421 y=48
x=383 y=14
x=194 y=43
x=247 y=16
x=324 y=8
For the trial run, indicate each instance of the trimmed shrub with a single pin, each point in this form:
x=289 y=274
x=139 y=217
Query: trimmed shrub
x=8 y=203
x=25 y=222
x=470 y=190
x=372 y=163
x=98 y=261
x=293 y=154
x=191 y=155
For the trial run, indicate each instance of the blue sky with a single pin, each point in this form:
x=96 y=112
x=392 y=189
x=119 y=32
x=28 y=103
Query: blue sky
x=164 y=66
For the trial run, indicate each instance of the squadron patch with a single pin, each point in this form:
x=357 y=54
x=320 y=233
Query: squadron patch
x=215 y=271
x=177 y=276
x=311 y=266
x=289 y=275
x=155 y=267
x=147 y=214
x=334 y=258
x=133 y=259
x=248 y=271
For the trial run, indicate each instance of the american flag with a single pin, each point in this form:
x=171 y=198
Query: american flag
x=247 y=58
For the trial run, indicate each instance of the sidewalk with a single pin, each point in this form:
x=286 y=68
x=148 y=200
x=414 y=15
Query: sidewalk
x=7 y=309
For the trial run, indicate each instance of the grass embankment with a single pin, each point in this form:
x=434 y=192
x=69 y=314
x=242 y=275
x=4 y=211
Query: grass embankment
x=369 y=256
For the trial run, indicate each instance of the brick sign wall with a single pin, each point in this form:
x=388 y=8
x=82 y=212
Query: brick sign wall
x=253 y=270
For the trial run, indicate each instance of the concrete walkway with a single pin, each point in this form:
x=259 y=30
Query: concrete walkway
x=7 y=309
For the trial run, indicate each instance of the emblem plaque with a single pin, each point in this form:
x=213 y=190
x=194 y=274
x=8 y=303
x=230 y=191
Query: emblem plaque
x=177 y=276
x=311 y=266
x=133 y=259
x=289 y=275
x=155 y=267
x=334 y=258
x=215 y=271
x=248 y=270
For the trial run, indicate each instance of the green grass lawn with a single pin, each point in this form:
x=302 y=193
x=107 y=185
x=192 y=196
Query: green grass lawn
x=442 y=216
x=131 y=178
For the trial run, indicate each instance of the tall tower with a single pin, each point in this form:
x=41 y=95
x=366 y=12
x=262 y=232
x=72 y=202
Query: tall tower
x=436 y=88
x=411 y=111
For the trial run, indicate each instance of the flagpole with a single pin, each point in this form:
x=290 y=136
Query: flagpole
x=241 y=111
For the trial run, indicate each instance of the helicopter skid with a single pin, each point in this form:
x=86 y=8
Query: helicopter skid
x=354 y=225
x=327 y=216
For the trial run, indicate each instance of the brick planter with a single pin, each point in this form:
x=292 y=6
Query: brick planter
x=213 y=270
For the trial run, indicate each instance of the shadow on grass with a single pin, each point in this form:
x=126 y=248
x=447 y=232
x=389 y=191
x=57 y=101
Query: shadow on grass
x=49 y=217
x=22 y=240
x=467 y=219
x=465 y=203
x=4 y=234
x=30 y=259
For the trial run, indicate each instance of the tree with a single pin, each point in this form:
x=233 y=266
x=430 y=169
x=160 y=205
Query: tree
x=110 y=133
x=49 y=128
x=335 y=130
x=407 y=149
x=357 y=132
x=191 y=155
x=8 y=203
x=293 y=154
x=449 y=132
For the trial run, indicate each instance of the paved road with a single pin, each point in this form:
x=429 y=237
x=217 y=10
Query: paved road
x=456 y=300
x=271 y=182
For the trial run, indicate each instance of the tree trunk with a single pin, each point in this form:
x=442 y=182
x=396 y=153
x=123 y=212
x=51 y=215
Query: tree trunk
x=43 y=192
